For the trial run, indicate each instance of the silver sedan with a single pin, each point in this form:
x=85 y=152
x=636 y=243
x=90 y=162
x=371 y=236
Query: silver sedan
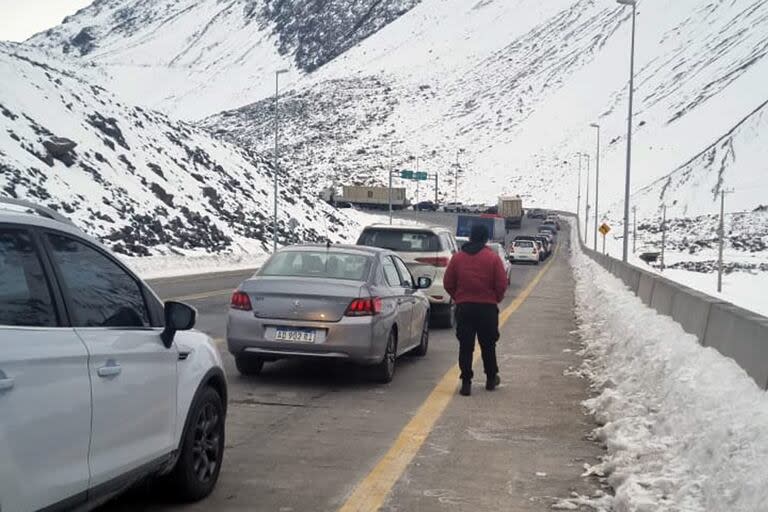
x=329 y=302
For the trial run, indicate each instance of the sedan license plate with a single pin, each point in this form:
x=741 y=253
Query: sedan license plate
x=293 y=334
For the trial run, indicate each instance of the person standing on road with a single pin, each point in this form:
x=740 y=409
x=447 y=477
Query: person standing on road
x=476 y=280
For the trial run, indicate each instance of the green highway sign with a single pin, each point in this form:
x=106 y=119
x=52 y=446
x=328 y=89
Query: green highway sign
x=421 y=176
x=406 y=175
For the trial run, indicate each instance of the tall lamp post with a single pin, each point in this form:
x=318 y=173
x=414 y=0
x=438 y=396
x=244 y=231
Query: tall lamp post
x=633 y=4
x=277 y=165
x=597 y=180
x=586 y=209
x=456 y=180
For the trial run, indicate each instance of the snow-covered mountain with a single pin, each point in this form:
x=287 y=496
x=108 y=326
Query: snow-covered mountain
x=197 y=57
x=140 y=181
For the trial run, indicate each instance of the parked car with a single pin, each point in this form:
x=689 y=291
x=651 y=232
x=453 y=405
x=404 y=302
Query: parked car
x=425 y=206
x=101 y=384
x=546 y=246
x=525 y=250
x=553 y=219
x=453 y=207
x=548 y=229
x=499 y=249
x=426 y=251
x=353 y=303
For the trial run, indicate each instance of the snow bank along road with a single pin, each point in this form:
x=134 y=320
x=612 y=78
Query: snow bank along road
x=323 y=437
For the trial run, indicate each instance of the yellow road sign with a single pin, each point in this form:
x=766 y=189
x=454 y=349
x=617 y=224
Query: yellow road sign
x=604 y=228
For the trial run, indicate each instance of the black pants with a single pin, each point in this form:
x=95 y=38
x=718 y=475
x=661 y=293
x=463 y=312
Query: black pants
x=481 y=321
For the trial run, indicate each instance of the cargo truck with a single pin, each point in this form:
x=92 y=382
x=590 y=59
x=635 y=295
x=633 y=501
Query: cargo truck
x=511 y=208
x=495 y=224
x=373 y=197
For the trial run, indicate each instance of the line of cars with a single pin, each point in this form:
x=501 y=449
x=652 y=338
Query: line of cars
x=535 y=248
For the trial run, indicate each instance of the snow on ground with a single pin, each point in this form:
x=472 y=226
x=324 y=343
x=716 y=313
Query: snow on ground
x=692 y=251
x=686 y=429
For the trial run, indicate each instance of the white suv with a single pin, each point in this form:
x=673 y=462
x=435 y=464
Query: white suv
x=426 y=252
x=101 y=385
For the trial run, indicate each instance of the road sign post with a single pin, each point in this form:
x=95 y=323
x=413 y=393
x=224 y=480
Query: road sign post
x=604 y=230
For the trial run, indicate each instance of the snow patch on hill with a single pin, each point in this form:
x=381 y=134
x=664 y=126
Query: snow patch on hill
x=136 y=179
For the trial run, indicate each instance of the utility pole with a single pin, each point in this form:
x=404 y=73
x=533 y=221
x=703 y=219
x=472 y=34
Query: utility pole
x=586 y=213
x=436 y=185
x=721 y=234
x=417 y=182
x=634 y=230
x=597 y=181
x=391 y=171
x=663 y=234
x=456 y=180
x=277 y=165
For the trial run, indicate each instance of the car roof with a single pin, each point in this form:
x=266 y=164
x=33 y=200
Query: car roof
x=24 y=213
x=345 y=248
x=406 y=227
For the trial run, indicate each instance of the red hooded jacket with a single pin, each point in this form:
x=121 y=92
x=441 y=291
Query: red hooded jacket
x=477 y=278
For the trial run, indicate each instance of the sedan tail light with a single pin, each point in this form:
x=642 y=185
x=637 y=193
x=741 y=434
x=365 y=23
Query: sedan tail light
x=364 y=307
x=438 y=261
x=241 y=301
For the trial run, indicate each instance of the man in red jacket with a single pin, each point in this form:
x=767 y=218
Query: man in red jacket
x=477 y=281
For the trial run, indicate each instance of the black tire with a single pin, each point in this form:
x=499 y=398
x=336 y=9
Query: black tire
x=249 y=365
x=421 y=350
x=202 y=449
x=384 y=372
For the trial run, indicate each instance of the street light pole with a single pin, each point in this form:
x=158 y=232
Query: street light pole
x=578 y=194
x=276 y=165
x=456 y=180
x=625 y=251
x=597 y=180
x=586 y=211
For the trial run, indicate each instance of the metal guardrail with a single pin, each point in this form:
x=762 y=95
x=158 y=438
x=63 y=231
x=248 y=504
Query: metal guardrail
x=733 y=331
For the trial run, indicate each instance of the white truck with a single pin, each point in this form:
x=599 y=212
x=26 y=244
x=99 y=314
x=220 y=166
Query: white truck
x=511 y=208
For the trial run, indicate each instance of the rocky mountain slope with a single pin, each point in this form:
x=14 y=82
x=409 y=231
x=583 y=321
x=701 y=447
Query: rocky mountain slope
x=196 y=57
x=143 y=183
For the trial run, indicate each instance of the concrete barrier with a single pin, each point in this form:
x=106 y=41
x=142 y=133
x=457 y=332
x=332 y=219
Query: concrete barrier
x=663 y=295
x=691 y=310
x=645 y=287
x=733 y=331
x=741 y=335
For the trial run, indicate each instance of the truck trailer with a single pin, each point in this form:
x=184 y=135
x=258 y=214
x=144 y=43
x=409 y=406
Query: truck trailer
x=495 y=225
x=373 y=197
x=511 y=208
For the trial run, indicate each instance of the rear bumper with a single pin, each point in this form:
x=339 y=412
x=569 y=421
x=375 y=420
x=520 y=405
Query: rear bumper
x=525 y=257
x=356 y=339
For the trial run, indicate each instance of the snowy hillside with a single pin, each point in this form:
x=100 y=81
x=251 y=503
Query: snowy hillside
x=197 y=57
x=141 y=182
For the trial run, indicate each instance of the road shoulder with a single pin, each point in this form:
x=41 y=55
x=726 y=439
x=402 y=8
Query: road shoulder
x=524 y=446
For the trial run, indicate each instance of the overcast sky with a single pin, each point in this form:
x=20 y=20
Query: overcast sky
x=19 y=19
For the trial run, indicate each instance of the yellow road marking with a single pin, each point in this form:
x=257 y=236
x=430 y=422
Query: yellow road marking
x=203 y=295
x=370 y=493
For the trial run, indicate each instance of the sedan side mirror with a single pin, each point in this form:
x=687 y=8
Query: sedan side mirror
x=178 y=317
x=423 y=283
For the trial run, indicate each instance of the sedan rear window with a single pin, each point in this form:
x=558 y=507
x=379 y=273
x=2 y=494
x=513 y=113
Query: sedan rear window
x=401 y=240
x=523 y=243
x=323 y=264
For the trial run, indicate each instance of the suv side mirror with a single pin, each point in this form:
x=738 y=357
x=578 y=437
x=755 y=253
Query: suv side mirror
x=423 y=283
x=178 y=317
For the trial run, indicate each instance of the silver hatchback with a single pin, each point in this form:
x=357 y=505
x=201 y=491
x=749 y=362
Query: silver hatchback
x=329 y=302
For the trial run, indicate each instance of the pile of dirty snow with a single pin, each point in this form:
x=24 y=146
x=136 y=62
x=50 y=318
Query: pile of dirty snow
x=686 y=429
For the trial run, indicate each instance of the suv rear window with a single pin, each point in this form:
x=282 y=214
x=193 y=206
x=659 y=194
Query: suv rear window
x=330 y=265
x=401 y=240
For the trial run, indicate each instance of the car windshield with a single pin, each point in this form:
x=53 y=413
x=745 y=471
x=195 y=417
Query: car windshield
x=401 y=240
x=323 y=264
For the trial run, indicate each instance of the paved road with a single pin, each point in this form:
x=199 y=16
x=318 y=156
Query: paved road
x=302 y=435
